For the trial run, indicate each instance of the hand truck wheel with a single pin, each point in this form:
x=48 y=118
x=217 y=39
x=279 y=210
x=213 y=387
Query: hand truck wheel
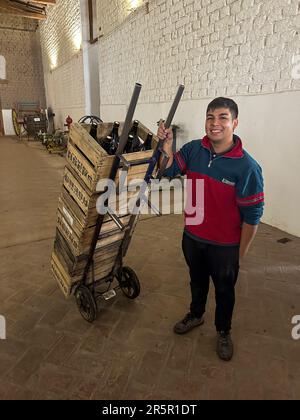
x=129 y=283
x=86 y=303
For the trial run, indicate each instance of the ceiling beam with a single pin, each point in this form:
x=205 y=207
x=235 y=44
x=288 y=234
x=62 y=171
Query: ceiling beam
x=48 y=2
x=12 y=8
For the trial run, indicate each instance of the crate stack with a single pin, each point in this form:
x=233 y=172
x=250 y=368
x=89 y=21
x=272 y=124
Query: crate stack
x=87 y=163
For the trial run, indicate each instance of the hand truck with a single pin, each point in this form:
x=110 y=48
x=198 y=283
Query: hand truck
x=86 y=294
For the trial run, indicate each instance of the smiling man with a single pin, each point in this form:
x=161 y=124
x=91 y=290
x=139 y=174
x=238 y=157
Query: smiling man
x=233 y=206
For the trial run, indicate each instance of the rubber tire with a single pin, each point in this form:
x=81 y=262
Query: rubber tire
x=86 y=303
x=129 y=283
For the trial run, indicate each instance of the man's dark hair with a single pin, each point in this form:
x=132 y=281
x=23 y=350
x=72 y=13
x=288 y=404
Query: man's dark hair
x=224 y=103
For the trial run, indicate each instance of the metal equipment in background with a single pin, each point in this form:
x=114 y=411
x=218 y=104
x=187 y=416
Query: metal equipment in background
x=91 y=122
x=56 y=143
x=50 y=116
x=28 y=119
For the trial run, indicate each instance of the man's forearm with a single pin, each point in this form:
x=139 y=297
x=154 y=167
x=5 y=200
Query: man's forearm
x=248 y=234
x=166 y=134
x=171 y=157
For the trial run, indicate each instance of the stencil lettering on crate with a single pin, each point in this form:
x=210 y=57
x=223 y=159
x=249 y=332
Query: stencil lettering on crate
x=68 y=216
x=67 y=231
x=76 y=191
x=79 y=166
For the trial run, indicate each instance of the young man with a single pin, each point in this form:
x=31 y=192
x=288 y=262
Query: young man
x=233 y=206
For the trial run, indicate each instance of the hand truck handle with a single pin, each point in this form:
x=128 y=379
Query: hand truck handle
x=156 y=155
x=175 y=104
x=129 y=118
x=113 y=173
x=168 y=123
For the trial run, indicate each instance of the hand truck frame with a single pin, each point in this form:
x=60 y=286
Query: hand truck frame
x=87 y=295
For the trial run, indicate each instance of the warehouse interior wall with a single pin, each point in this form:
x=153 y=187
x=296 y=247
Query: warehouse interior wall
x=21 y=66
x=247 y=50
x=2 y=68
x=61 y=40
x=90 y=64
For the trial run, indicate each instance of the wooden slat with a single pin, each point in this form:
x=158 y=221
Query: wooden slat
x=86 y=220
x=104 y=263
x=48 y=2
x=75 y=264
x=78 y=191
x=79 y=238
x=19 y=10
x=67 y=282
x=64 y=281
x=82 y=166
x=90 y=177
x=89 y=147
x=69 y=234
x=90 y=174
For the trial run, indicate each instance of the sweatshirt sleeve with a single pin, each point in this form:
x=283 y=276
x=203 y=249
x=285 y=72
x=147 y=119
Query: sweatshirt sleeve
x=250 y=195
x=180 y=161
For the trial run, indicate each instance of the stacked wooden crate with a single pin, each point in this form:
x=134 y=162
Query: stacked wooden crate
x=87 y=163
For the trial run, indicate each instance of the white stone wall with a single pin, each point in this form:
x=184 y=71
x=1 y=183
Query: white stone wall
x=65 y=91
x=2 y=67
x=112 y=13
x=61 y=33
x=90 y=61
x=61 y=39
x=246 y=49
x=21 y=63
x=214 y=47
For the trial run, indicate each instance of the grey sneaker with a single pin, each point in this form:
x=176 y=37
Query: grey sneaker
x=187 y=323
x=224 y=346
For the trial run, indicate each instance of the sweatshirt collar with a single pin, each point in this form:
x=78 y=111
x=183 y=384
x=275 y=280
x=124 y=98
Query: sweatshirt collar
x=235 y=152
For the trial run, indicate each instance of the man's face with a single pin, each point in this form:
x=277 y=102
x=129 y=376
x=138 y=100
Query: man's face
x=220 y=125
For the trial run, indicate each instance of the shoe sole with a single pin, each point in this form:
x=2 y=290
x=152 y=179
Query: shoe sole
x=227 y=359
x=186 y=331
x=224 y=358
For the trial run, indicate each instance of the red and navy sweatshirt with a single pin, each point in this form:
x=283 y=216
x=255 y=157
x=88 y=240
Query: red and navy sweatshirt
x=233 y=189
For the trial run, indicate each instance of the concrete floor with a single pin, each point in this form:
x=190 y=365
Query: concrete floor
x=130 y=352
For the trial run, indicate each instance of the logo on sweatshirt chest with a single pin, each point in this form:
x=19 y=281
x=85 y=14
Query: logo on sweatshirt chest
x=225 y=181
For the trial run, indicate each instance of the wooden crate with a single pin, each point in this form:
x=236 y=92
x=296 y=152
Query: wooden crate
x=86 y=220
x=68 y=270
x=87 y=163
x=85 y=199
x=67 y=282
x=79 y=237
x=76 y=189
x=90 y=219
x=61 y=276
x=106 y=252
x=91 y=163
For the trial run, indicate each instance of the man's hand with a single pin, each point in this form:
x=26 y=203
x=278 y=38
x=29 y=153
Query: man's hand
x=166 y=134
x=248 y=234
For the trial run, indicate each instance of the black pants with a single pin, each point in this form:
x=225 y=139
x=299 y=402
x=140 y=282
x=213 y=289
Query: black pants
x=222 y=265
